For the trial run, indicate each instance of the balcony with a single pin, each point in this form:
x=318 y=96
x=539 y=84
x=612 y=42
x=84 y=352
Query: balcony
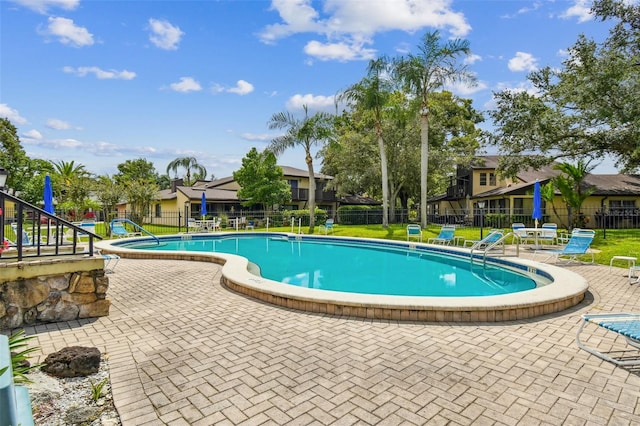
x=302 y=194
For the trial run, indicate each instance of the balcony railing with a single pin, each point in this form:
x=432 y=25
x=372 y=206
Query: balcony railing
x=37 y=233
x=302 y=194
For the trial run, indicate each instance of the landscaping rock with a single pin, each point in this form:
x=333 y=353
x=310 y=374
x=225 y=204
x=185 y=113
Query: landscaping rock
x=74 y=361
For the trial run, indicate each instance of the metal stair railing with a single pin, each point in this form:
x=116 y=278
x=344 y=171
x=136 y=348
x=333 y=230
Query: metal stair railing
x=55 y=229
x=491 y=246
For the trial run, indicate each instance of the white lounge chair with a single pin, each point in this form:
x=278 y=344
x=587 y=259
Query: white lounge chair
x=625 y=324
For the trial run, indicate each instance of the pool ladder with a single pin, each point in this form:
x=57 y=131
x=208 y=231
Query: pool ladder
x=493 y=245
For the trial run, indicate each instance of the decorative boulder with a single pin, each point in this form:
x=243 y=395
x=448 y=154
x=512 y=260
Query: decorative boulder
x=74 y=361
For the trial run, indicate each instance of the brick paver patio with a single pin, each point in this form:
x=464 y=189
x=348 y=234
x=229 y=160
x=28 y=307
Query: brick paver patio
x=185 y=351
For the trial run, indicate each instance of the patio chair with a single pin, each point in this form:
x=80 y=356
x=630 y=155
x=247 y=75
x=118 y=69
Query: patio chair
x=110 y=262
x=549 y=233
x=118 y=230
x=625 y=324
x=251 y=225
x=414 y=231
x=26 y=238
x=494 y=236
x=193 y=225
x=520 y=231
x=445 y=237
x=327 y=227
x=578 y=245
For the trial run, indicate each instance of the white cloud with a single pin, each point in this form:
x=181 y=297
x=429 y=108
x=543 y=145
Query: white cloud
x=349 y=25
x=523 y=62
x=241 y=88
x=42 y=6
x=314 y=102
x=54 y=123
x=256 y=137
x=580 y=9
x=33 y=134
x=463 y=89
x=472 y=59
x=68 y=33
x=11 y=114
x=186 y=85
x=340 y=51
x=164 y=35
x=100 y=73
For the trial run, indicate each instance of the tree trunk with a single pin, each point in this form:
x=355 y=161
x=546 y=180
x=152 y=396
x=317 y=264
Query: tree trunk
x=385 y=180
x=312 y=192
x=424 y=165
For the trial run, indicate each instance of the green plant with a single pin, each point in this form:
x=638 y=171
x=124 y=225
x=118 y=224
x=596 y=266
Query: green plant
x=20 y=357
x=96 y=389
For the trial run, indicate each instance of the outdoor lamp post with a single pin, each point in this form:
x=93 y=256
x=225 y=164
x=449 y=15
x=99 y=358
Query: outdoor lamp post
x=481 y=207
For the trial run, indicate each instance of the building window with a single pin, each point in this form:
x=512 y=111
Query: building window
x=483 y=179
x=158 y=210
x=620 y=206
x=492 y=179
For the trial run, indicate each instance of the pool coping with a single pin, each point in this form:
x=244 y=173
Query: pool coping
x=567 y=289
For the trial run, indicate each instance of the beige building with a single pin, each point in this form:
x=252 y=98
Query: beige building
x=222 y=199
x=478 y=190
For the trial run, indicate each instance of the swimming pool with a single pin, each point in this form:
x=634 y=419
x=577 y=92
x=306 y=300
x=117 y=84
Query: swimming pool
x=540 y=288
x=358 y=267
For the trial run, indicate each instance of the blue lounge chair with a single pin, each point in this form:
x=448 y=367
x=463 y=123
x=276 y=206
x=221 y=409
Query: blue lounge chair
x=579 y=244
x=445 y=237
x=26 y=236
x=494 y=236
x=625 y=324
x=327 y=227
x=119 y=231
x=414 y=231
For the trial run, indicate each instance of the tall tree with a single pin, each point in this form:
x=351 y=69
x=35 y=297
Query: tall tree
x=109 y=193
x=430 y=70
x=72 y=185
x=12 y=156
x=573 y=189
x=261 y=180
x=189 y=164
x=138 y=169
x=305 y=132
x=372 y=93
x=587 y=108
x=140 y=194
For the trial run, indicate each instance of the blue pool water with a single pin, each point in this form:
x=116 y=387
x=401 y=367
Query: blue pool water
x=357 y=267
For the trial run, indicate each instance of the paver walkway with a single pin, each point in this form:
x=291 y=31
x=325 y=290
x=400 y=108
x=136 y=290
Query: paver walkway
x=185 y=351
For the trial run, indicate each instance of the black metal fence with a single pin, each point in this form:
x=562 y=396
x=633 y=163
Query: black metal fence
x=176 y=221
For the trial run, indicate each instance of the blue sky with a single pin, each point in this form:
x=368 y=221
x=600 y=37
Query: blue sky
x=100 y=82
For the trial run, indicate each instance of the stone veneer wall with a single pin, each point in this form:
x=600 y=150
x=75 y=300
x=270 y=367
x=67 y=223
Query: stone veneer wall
x=51 y=290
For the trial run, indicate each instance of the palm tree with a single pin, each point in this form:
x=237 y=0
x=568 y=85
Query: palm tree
x=573 y=189
x=423 y=74
x=305 y=132
x=72 y=183
x=372 y=93
x=189 y=164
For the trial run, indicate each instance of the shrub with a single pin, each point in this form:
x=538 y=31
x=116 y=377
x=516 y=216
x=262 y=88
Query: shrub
x=360 y=215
